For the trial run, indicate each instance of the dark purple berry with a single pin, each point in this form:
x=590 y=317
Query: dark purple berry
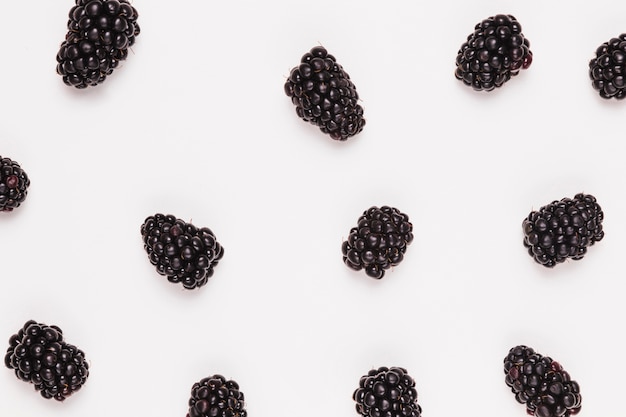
x=387 y=392
x=607 y=69
x=215 y=396
x=180 y=251
x=14 y=184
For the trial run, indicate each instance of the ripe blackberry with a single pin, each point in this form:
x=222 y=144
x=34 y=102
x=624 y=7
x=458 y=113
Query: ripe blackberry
x=14 y=184
x=387 y=392
x=39 y=355
x=563 y=229
x=215 y=396
x=181 y=251
x=541 y=384
x=325 y=96
x=496 y=51
x=607 y=69
x=378 y=242
x=99 y=35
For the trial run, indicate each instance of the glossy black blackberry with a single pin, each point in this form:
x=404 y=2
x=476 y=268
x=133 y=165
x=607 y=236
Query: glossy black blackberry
x=100 y=33
x=496 y=51
x=563 y=229
x=215 y=396
x=14 y=183
x=325 y=96
x=378 y=242
x=541 y=384
x=607 y=69
x=180 y=251
x=387 y=392
x=39 y=355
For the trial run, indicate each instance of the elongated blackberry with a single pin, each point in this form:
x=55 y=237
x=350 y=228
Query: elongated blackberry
x=541 y=384
x=378 y=242
x=496 y=51
x=563 y=229
x=215 y=396
x=38 y=354
x=325 y=96
x=387 y=392
x=14 y=183
x=100 y=32
x=607 y=69
x=180 y=251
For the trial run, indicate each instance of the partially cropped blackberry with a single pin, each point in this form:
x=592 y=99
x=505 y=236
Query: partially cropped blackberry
x=496 y=51
x=325 y=96
x=100 y=32
x=39 y=355
x=607 y=69
x=215 y=396
x=387 y=392
x=563 y=229
x=14 y=183
x=180 y=251
x=378 y=242
x=541 y=384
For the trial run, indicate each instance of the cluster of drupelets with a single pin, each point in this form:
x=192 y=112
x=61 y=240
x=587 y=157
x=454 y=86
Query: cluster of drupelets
x=99 y=35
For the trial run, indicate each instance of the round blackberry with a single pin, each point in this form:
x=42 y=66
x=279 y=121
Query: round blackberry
x=378 y=242
x=496 y=51
x=324 y=95
x=563 y=229
x=387 y=392
x=607 y=69
x=99 y=35
x=181 y=251
x=541 y=384
x=215 y=396
x=39 y=355
x=14 y=183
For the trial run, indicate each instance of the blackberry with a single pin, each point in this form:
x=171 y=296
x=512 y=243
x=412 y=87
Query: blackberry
x=214 y=396
x=39 y=355
x=378 y=242
x=100 y=32
x=14 y=183
x=541 y=384
x=387 y=392
x=324 y=95
x=607 y=69
x=496 y=51
x=180 y=251
x=563 y=229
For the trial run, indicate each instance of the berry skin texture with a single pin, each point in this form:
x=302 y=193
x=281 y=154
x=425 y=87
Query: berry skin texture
x=180 y=251
x=607 y=69
x=324 y=95
x=496 y=51
x=14 y=183
x=563 y=229
x=541 y=384
x=378 y=242
x=99 y=35
x=38 y=354
x=387 y=392
x=214 y=396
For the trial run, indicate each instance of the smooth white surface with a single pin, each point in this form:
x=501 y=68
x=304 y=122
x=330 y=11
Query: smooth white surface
x=195 y=123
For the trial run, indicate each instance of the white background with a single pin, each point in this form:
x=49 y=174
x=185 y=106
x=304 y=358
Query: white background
x=195 y=123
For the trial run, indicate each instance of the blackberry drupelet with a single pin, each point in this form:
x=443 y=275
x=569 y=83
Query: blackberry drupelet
x=607 y=69
x=100 y=32
x=14 y=183
x=39 y=355
x=387 y=392
x=215 y=396
x=180 y=251
x=541 y=384
x=378 y=242
x=324 y=95
x=563 y=229
x=496 y=51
